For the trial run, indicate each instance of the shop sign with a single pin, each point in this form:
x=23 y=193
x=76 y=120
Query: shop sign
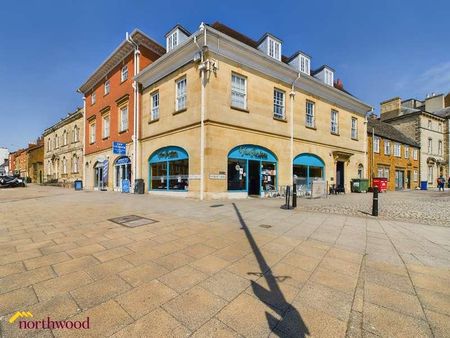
x=252 y=152
x=119 y=148
x=217 y=176
x=167 y=154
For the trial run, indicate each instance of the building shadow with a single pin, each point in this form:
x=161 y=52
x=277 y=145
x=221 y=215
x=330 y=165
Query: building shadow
x=291 y=321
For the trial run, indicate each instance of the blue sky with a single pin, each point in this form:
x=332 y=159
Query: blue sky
x=380 y=49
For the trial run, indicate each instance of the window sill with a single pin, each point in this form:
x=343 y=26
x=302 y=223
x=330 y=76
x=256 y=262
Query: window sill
x=335 y=134
x=355 y=139
x=91 y=143
x=179 y=111
x=240 y=109
x=105 y=94
x=153 y=121
x=280 y=119
x=123 y=131
x=311 y=127
x=105 y=138
x=122 y=81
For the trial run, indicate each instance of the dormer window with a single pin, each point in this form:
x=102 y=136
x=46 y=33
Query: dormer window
x=172 y=41
x=175 y=37
x=301 y=62
x=270 y=46
x=274 y=50
x=328 y=77
x=325 y=74
x=304 y=64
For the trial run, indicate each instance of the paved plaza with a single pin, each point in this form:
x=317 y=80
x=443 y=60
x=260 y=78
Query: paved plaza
x=243 y=268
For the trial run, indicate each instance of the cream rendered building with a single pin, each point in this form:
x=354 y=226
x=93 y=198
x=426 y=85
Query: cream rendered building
x=63 y=150
x=224 y=116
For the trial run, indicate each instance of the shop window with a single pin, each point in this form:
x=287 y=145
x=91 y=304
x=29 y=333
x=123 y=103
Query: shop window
x=237 y=176
x=169 y=169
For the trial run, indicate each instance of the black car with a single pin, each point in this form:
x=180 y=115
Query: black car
x=11 y=182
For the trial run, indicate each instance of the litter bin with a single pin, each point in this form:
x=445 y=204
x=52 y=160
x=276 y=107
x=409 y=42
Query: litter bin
x=78 y=185
x=423 y=185
x=359 y=185
x=139 y=186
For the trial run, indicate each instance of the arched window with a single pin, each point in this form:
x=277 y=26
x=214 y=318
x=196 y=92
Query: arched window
x=169 y=169
x=56 y=141
x=360 y=171
x=75 y=134
x=308 y=168
x=64 y=138
x=64 y=165
x=75 y=164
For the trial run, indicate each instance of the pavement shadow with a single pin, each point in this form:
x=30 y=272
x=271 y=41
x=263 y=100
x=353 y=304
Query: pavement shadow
x=290 y=321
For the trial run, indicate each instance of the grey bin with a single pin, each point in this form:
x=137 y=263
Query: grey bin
x=139 y=186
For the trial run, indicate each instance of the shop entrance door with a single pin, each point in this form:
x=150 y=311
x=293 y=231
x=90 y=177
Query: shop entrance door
x=254 y=182
x=340 y=184
x=399 y=179
x=98 y=177
x=408 y=179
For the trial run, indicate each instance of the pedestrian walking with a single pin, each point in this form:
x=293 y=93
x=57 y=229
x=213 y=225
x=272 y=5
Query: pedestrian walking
x=441 y=183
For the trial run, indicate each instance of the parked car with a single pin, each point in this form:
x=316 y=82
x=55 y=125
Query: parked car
x=11 y=182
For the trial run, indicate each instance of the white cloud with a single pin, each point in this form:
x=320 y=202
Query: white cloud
x=436 y=79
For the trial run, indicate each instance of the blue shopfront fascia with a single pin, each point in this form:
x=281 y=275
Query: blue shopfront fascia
x=166 y=154
x=309 y=160
x=251 y=152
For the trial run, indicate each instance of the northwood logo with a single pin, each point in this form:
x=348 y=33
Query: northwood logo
x=46 y=323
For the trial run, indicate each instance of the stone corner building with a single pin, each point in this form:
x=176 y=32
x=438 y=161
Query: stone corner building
x=63 y=150
x=227 y=116
x=35 y=161
x=427 y=123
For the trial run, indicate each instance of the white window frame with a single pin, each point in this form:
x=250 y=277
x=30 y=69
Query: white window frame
x=93 y=98
x=387 y=147
x=278 y=104
x=274 y=49
x=397 y=150
x=415 y=154
x=354 y=128
x=430 y=146
x=154 y=103
x=415 y=175
x=406 y=151
x=328 y=77
x=65 y=138
x=172 y=40
x=334 y=122
x=305 y=64
x=238 y=91
x=107 y=87
x=92 y=135
x=56 y=141
x=310 y=118
x=106 y=123
x=430 y=175
x=376 y=144
x=181 y=94
x=124 y=73
x=123 y=123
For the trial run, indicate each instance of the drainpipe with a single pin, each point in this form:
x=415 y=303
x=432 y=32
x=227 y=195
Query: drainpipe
x=135 y=109
x=203 y=70
x=366 y=153
x=292 y=96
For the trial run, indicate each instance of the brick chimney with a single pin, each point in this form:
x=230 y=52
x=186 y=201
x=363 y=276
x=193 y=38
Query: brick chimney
x=390 y=108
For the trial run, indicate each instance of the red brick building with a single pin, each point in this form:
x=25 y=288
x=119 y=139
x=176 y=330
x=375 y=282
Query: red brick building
x=110 y=98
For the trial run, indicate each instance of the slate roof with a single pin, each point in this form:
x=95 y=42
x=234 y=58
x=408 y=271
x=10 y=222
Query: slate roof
x=443 y=112
x=388 y=131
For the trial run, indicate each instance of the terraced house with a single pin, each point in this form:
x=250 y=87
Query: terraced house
x=63 y=150
x=224 y=115
x=111 y=102
x=392 y=155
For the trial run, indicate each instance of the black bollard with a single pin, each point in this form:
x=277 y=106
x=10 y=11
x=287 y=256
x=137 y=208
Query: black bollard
x=288 y=196
x=375 y=202
x=294 y=195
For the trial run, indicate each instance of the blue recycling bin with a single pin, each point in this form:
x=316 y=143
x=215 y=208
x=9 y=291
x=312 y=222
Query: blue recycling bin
x=126 y=186
x=423 y=185
x=78 y=185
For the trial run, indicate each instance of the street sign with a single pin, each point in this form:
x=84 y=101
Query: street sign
x=119 y=148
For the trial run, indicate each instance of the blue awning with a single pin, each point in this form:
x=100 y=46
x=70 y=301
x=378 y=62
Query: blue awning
x=309 y=160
